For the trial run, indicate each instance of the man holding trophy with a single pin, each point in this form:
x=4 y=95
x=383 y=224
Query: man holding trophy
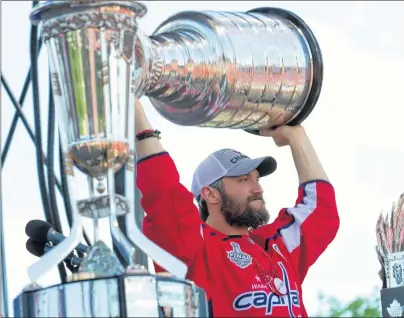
x=247 y=268
x=253 y=70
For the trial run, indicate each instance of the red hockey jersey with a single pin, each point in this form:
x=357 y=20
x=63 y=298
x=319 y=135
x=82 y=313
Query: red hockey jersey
x=222 y=264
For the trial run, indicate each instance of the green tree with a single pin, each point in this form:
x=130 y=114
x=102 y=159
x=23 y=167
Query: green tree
x=358 y=307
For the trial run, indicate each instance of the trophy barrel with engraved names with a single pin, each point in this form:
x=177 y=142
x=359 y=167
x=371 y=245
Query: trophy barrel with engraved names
x=236 y=70
x=390 y=250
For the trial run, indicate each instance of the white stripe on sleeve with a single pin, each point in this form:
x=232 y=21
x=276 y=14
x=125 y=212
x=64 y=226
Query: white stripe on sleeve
x=291 y=234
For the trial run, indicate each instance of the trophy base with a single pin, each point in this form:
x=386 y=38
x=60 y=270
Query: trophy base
x=134 y=294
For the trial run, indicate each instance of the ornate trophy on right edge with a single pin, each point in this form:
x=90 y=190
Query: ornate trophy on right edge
x=390 y=250
x=236 y=70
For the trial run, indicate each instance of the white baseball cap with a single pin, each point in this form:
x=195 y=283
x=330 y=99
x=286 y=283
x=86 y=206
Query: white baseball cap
x=228 y=163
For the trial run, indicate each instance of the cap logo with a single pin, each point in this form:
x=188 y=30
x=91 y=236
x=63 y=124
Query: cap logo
x=237 y=158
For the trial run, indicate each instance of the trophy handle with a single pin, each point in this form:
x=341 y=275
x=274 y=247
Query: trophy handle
x=166 y=260
x=170 y=263
x=318 y=65
x=57 y=254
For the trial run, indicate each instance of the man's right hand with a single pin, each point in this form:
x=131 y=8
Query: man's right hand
x=148 y=146
x=141 y=122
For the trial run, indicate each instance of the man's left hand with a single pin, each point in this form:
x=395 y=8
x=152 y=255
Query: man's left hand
x=282 y=134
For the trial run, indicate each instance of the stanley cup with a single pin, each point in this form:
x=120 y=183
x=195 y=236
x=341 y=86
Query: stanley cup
x=244 y=71
x=236 y=70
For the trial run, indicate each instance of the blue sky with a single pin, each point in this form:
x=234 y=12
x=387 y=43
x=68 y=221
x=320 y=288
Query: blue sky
x=355 y=129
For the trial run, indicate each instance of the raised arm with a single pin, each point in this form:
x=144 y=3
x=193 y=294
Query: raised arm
x=172 y=220
x=312 y=224
x=149 y=146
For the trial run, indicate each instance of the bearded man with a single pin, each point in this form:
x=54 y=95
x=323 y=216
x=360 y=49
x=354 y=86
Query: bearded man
x=247 y=267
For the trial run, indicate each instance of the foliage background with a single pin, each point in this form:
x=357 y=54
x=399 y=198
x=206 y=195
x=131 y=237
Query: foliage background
x=363 y=306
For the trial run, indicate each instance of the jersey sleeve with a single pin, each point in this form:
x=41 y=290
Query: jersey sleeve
x=172 y=220
x=306 y=229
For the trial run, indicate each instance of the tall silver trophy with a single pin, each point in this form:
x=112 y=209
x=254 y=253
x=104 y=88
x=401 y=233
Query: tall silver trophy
x=262 y=68
x=390 y=251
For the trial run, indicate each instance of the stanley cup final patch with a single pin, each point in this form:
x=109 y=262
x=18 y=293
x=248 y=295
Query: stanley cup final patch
x=238 y=257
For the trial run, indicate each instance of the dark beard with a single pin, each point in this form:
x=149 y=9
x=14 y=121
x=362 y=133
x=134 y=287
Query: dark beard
x=241 y=214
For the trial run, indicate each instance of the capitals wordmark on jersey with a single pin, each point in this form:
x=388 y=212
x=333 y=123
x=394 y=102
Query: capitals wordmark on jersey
x=269 y=300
